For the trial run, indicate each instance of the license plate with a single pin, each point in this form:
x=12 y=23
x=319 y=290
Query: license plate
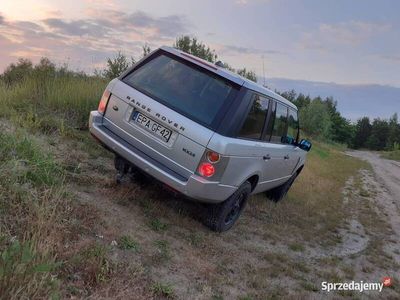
x=152 y=126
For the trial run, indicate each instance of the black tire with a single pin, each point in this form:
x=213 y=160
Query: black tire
x=278 y=193
x=222 y=216
x=121 y=165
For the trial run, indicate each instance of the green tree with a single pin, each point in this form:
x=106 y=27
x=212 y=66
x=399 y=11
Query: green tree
x=362 y=133
x=192 y=46
x=341 y=129
x=228 y=67
x=315 y=119
x=379 y=135
x=394 y=132
x=117 y=65
x=251 y=75
x=289 y=95
x=15 y=73
x=302 y=101
x=146 y=50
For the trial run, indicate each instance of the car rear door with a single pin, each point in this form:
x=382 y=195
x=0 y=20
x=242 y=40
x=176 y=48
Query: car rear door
x=269 y=155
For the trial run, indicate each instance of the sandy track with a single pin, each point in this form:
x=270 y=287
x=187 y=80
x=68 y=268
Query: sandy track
x=387 y=183
x=387 y=172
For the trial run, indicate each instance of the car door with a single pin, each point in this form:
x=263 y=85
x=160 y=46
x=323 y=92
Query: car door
x=253 y=129
x=279 y=151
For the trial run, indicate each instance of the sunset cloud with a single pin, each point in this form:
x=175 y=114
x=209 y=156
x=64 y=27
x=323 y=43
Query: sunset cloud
x=352 y=33
x=91 y=39
x=341 y=41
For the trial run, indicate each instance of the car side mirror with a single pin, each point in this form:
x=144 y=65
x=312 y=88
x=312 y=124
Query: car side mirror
x=305 y=145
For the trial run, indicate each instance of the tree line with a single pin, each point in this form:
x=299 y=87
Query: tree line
x=319 y=117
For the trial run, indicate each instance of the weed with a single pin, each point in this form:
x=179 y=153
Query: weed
x=158 y=225
x=162 y=249
x=127 y=242
x=22 y=266
x=163 y=289
x=308 y=286
x=96 y=263
x=196 y=239
x=296 y=247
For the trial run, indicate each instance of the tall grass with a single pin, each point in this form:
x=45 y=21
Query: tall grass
x=33 y=208
x=393 y=155
x=50 y=101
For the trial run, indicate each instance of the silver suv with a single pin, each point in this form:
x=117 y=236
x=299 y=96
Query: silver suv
x=201 y=130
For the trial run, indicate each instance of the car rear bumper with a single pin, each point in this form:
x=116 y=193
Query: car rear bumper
x=195 y=187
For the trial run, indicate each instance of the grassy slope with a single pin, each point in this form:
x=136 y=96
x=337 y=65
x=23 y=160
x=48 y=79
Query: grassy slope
x=394 y=155
x=61 y=214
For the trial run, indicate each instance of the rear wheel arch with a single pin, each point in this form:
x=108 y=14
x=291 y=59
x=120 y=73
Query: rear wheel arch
x=253 y=181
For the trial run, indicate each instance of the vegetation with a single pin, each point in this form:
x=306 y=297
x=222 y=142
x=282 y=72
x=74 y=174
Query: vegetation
x=47 y=97
x=32 y=207
x=117 y=65
x=162 y=289
x=127 y=242
x=394 y=155
x=320 y=119
x=380 y=135
x=192 y=46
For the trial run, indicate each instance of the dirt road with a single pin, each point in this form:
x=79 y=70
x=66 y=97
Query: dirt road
x=386 y=186
x=387 y=172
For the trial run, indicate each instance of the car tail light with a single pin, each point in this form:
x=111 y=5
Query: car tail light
x=212 y=165
x=103 y=102
x=206 y=169
x=213 y=157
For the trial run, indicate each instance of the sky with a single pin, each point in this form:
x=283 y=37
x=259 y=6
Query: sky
x=341 y=42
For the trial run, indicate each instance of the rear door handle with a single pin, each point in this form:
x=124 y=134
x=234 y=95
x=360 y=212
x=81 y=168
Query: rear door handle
x=266 y=157
x=286 y=156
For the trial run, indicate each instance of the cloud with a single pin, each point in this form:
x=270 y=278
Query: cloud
x=87 y=41
x=75 y=28
x=247 y=50
x=169 y=26
x=392 y=57
x=352 y=33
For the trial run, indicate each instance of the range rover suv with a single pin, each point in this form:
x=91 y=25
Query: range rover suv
x=201 y=130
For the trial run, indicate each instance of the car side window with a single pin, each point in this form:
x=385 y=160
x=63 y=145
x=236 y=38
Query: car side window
x=293 y=125
x=279 y=129
x=254 y=123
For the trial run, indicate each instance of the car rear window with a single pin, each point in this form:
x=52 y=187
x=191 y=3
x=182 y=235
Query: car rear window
x=190 y=90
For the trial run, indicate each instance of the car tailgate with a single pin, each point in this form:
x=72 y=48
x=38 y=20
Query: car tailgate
x=184 y=148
